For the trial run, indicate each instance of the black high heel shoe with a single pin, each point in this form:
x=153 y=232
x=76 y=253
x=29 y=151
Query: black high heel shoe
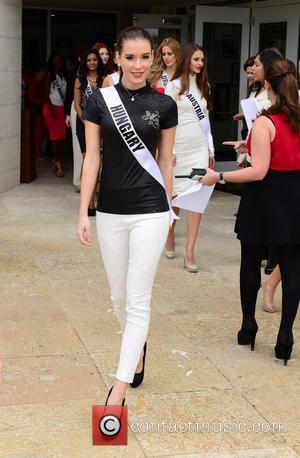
x=284 y=346
x=247 y=334
x=109 y=393
x=139 y=376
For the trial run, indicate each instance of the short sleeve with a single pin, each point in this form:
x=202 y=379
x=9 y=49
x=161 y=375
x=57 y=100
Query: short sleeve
x=169 y=114
x=93 y=110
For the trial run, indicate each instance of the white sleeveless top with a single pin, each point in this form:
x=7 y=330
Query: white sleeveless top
x=54 y=96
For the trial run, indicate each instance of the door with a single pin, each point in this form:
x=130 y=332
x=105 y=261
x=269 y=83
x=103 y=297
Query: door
x=276 y=26
x=224 y=33
x=163 y=26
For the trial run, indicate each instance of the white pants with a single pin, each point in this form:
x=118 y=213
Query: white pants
x=77 y=155
x=131 y=247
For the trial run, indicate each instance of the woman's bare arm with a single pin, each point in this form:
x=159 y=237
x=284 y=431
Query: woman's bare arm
x=91 y=166
x=165 y=153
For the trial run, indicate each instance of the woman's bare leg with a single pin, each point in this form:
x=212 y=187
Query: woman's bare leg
x=269 y=287
x=193 y=223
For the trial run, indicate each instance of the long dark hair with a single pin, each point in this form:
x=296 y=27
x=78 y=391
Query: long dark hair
x=83 y=70
x=183 y=72
x=50 y=65
x=265 y=56
x=110 y=66
x=281 y=73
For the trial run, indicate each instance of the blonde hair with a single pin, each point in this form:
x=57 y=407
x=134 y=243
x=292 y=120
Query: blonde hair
x=158 y=65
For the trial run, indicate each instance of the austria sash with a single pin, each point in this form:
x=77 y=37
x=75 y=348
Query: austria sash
x=203 y=120
x=164 y=78
x=133 y=142
x=56 y=83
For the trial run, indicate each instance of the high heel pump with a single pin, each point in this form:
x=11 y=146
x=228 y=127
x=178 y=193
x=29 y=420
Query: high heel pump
x=193 y=268
x=109 y=393
x=284 y=346
x=139 y=376
x=247 y=334
x=57 y=168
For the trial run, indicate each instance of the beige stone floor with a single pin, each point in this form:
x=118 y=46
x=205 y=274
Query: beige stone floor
x=59 y=342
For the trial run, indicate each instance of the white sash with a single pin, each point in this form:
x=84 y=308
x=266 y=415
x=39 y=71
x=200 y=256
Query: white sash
x=115 y=77
x=56 y=83
x=133 y=142
x=164 y=78
x=88 y=90
x=203 y=120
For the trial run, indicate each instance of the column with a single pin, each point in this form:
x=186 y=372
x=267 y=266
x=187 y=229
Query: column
x=10 y=92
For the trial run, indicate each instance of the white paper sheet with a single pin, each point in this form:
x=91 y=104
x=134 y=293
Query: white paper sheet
x=251 y=110
x=195 y=198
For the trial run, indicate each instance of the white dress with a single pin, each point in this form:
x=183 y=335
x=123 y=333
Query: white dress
x=190 y=146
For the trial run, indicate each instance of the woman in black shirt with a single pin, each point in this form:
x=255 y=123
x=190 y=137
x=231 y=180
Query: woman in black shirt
x=133 y=211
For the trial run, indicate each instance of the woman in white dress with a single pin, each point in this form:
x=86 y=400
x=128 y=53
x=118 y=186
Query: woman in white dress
x=167 y=59
x=191 y=147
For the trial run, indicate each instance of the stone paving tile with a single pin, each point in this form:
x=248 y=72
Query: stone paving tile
x=59 y=341
x=35 y=338
x=220 y=415
x=49 y=378
x=56 y=430
x=278 y=452
x=279 y=405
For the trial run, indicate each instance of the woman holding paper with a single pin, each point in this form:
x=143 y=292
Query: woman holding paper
x=167 y=59
x=193 y=147
x=269 y=212
x=133 y=214
x=261 y=97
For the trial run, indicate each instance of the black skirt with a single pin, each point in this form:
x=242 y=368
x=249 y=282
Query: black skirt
x=269 y=211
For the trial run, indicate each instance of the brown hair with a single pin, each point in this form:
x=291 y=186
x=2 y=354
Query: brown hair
x=110 y=66
x=132 y=33
x=183 y=72
x=282 y=75
x=158 y=64
x=249 y=62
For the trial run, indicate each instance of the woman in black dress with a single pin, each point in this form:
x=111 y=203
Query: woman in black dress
x=89 y=79
x=133 y=214
x=269 y=212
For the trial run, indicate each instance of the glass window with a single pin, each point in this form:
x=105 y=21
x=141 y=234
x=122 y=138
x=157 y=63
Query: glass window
x=223 y=45
x=75 y=31
x=34 y=23
x=273 y=35
x=159 y=34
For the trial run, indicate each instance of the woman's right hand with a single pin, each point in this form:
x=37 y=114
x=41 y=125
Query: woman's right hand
x=84 y=231
x=174 y=160
x=239 y=146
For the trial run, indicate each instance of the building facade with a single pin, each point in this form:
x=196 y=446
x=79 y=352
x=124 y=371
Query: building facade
x=230 y=31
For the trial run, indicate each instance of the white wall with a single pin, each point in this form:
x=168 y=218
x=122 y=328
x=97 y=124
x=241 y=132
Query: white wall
x=10 y=92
